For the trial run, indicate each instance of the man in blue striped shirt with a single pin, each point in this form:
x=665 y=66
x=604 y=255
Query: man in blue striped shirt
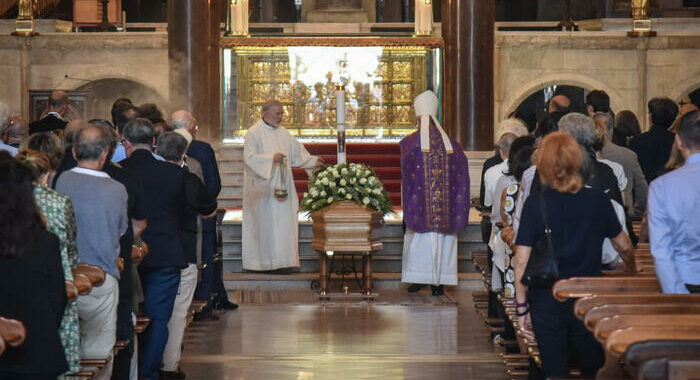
x=674 y=226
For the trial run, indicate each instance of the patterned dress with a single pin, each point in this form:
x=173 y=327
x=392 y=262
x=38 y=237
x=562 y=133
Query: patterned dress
x=509 y=209
x=60 y=220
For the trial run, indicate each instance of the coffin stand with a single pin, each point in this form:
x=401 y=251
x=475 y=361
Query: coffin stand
x=346 y=228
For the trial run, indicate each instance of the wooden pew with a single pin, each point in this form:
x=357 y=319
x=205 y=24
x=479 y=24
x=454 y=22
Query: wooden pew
x=639 y=357
x=598 y=313
x=619 y=340
x=71 y=291
x=12 y=332
x=606 y=326
x=585 y=304
x=578 y=287
x=82 y=283
x=95 y=274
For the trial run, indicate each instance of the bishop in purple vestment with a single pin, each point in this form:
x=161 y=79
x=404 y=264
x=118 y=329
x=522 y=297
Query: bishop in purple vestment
x=435 y=191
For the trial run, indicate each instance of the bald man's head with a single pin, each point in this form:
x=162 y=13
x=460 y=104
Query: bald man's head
x=72 y=128
x=559 y=103
x=184 y=120
x=91 y=143
x=58 y=102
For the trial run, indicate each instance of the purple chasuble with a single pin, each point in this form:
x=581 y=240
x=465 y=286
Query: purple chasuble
x=435 y=185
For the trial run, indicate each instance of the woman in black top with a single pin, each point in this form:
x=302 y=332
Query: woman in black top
x=579 y=219
x=32 y=288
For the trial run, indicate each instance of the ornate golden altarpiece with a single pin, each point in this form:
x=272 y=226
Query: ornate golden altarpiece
x=382 y=76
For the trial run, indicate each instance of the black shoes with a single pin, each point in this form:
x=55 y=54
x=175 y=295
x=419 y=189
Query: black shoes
x=225 y=305
x=166 y=375
x=205 y=315
x=438 y=290
x=415 y=288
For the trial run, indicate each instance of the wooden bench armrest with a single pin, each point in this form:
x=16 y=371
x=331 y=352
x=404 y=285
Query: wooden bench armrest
x=82 y=283
x=578 y=287
x=71 y=291
x=95 y=274
x=619 y=340
x=12 y=332
x=99 y=363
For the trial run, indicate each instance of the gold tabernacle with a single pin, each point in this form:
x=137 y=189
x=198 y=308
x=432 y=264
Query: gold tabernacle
x=381 y=77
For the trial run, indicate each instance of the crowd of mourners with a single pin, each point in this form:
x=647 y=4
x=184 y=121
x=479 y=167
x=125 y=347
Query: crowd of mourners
x=89 y=192
x=571 y=184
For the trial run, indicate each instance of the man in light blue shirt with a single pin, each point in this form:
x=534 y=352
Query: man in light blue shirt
x=674 y=225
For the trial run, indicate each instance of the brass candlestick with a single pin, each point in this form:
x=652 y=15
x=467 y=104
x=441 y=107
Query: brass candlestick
x=641 y=22
x=24 y=25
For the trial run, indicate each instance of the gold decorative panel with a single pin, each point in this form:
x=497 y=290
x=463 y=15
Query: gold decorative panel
x=380 y=81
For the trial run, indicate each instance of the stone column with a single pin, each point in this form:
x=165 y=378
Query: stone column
x=468 y=30
x=193 y=59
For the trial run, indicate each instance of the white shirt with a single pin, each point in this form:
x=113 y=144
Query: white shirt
x=619 y=172
x=490 y=179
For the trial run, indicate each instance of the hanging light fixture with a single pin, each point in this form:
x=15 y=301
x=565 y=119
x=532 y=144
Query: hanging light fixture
x=424 y=18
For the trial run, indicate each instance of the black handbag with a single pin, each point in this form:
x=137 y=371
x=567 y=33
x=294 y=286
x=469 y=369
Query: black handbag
x=542 y=269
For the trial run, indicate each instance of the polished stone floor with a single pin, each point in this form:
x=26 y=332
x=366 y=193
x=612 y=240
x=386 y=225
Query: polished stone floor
x=344 y=340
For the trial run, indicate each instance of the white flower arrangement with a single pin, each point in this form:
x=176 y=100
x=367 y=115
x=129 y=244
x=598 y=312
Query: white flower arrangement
x=346 y=182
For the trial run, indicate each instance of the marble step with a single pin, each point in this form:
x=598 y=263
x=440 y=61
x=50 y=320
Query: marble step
x=381 y=263
x=230 y=202
x=231 y=179
x=231 y=192
x=232 y=232
x=391 y=246
x=230 y=166
x=231 y=152
x=302 y=281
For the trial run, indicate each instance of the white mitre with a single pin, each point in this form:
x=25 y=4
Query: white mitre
x=426 y=106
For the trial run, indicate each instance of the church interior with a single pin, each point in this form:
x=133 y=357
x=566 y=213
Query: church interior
x=315 y=174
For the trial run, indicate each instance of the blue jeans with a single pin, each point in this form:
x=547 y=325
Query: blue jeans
x=160 y=289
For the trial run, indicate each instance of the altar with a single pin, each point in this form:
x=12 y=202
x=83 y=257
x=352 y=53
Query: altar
x=381 y=77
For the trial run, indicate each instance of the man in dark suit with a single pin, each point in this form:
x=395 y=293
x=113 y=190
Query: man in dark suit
x=136 y=212
x=172 y=147
x=212 y=274
x=653 y=147
x=164 y=191
x=58 y=106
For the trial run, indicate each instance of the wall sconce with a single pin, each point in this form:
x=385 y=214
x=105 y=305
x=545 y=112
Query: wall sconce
x=237 y=19
x=641 y=22
x=424 y=18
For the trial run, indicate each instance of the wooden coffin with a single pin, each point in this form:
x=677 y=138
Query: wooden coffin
x=346 y=227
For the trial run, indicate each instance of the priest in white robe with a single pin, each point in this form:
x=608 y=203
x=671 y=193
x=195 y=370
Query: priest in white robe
x=435 y=193
x=270 y=225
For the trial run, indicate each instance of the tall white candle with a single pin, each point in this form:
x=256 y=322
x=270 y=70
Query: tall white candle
x=340 y=119
x=340 y=108
x=424 y=17
x=239 y=17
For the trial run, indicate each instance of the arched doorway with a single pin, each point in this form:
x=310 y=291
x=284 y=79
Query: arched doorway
x=534 y=107
x=692 y=97
x=105 y=91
